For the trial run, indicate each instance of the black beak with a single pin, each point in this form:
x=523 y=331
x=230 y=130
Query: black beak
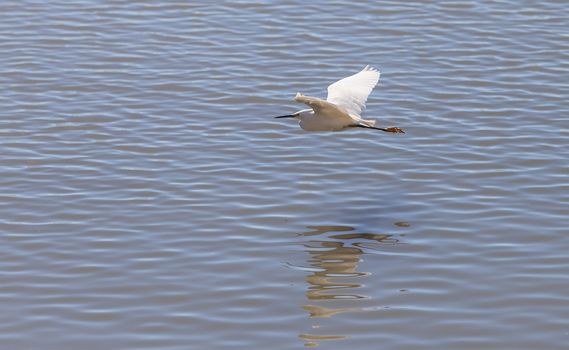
x=287 y=116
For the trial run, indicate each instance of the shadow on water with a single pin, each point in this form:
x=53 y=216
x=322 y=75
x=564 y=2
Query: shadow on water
x=333 y=277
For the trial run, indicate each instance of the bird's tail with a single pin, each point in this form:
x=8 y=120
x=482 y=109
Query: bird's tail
x=368 y=122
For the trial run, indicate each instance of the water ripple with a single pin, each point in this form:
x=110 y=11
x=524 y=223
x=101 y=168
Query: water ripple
x=144 y=182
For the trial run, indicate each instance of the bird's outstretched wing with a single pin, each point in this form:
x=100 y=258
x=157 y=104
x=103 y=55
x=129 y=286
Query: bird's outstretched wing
x=351 y=93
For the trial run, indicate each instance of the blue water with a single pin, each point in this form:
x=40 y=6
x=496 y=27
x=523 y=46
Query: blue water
x=150 y=201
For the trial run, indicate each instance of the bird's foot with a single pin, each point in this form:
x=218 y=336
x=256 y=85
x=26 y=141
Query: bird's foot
x=395 y=129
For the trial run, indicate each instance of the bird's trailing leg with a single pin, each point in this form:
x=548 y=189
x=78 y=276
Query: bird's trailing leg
x=395 y=129
x=392 y=129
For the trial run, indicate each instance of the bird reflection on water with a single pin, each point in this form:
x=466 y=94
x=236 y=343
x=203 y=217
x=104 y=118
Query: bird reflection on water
x=333 y=271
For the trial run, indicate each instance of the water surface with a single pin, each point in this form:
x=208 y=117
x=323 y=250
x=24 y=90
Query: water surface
x=149 y=200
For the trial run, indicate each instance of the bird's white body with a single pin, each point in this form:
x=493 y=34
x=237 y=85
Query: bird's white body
x=326 y=116
x=344 y=105
x=310 y=121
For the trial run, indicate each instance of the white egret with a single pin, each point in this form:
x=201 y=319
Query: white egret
x=343 y=107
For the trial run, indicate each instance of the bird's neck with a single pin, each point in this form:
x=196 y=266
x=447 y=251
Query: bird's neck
x=306 y=113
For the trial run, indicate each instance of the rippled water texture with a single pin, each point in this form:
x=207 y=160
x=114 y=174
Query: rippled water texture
x=150 y=201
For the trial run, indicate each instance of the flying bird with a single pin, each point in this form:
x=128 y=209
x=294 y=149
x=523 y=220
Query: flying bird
x=343 y=107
